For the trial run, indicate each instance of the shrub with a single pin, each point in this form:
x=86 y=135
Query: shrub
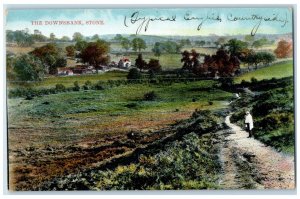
x=134 y=74
x=254 y=80
x=76 y=86
x=29 y=68
x=98 y=86
x=87 y=85
x=60 y=87
x=150 y=96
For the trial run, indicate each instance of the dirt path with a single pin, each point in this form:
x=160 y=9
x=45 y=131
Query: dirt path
x=249 y=164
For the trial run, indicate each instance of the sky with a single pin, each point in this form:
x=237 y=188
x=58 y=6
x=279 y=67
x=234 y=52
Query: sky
x=219 y=21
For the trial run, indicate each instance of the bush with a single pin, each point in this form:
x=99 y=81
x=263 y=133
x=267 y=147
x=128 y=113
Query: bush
x=150 y=96
x=76 y=86
x=134 y=74
x=87 y=85
x=29 y=68
x=254 y=80
x=60 y=87
x=98 y=86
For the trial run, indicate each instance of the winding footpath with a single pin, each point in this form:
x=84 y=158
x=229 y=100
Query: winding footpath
x=249 y=164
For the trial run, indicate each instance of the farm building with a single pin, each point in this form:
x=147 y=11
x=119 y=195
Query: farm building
x=124 y=63
x=65 y=71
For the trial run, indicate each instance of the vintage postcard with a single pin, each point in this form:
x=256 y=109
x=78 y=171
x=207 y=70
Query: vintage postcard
x=150 y=98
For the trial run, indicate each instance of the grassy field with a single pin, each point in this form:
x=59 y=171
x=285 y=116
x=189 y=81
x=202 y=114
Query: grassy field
x=74 y=124
x=68 y=81
x=279 y=70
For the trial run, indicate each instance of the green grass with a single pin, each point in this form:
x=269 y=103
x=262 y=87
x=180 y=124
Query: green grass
x=107 y=112
x=167 y=61
x=68 y=81
x=278 y=70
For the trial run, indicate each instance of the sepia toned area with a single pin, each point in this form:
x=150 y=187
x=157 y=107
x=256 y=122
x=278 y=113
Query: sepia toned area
x=150 y=112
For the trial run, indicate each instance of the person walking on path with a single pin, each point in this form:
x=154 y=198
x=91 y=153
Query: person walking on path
x=249 y=123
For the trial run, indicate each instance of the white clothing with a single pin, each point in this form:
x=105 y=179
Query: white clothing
x=248 y=119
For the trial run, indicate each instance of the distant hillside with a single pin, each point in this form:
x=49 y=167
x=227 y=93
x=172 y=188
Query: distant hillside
x=211 y=38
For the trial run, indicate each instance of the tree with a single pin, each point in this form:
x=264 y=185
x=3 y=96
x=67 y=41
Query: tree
x=65 y=39
x=200 y=43
x=221 y=63
x=190 y=59
x=51 y=57
x=171 y=47
x=125 y=43
x=267 y=57
x=260 y=42
x=95 y=37
x=80 y=45
x=29 y=68
x=236 y=46
x=260 y=57
x=257 y=44
x=284 y=49
x=221 y=40
x=138 y=44
x=70 y=51
x=96 y=53
x=77 y=36
x=140 y=63
x=22 y=38
x=185 y=42
x=52 y=37
x=38 y=37
x=157 y=49
x=133 y=74
x=154 y=65
x=118 y=37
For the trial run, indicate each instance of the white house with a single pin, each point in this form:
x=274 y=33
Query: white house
x=124 y=63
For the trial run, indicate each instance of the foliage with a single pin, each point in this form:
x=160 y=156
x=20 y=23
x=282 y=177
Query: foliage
x=236 y=46
x=28 y=68
x=157 y=49
x=21 y=37
x=150 y=96
x=77 y=36
x=185 y=42
x=81 y=45
x=182 y=165
x=272 y=110
x=140 y=62
x=221 y=64
x=154 y=65
x=284 y=49
x=50 y=56
x=138 y=44
x=60 y=87
x=52 y=37
x=95 y=37
x=133 y=74
x=70 y=51
x=96 y=53
x=65 y=39
x=260 y=57
x=76 y=86
x=118 y=37
x=261 y=42
x=126 y=44
x=190 y=60
x=200 y=43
